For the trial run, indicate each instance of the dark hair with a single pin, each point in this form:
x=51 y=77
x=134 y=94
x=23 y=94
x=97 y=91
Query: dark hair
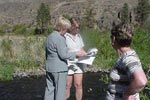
x=123 y=33
x=74 y=20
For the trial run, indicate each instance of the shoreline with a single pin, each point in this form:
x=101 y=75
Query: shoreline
x=20 y=73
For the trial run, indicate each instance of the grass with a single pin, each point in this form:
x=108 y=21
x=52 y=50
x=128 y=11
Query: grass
x=26 y=54
x=31 y=54
x=106 y=54
x=140 y=44
x=6 y=70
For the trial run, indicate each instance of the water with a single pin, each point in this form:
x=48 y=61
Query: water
x=33 y=88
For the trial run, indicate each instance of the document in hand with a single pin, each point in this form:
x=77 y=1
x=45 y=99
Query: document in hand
x=88 y=59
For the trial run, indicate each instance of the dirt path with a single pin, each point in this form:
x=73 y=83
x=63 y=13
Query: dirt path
x=65 y=3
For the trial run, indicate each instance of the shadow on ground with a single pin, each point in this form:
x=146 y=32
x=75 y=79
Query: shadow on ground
x=33 y=88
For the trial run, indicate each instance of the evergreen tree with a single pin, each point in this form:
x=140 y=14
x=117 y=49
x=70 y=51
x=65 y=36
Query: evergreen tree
x=125 y=13
x=43 y=18
x=88 y=21
x=142 y=11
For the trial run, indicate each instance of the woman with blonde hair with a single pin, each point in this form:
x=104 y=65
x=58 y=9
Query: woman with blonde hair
x=56 y=61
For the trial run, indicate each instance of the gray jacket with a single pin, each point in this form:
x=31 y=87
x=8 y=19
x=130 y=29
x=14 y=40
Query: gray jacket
x=57 y=53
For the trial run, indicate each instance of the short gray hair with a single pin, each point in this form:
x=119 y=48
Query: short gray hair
x=62 y=24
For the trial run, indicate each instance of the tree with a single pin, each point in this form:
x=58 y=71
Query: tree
x=43 y=18
x=88 y=20
x=125 y=13
x=142 y=11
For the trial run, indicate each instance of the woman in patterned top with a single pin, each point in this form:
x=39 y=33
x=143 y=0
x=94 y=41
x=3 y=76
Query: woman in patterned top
x=127 y=76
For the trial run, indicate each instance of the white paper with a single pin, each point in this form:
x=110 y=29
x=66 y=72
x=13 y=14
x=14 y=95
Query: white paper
x=86 y=59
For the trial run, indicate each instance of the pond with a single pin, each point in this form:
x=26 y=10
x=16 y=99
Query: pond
x=32 y=88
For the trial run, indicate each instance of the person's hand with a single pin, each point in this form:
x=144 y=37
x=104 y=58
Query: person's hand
x=128 y=97
x=84 y=53
x=81 y=53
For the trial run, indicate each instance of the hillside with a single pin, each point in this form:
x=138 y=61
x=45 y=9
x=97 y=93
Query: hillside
x=24 y=11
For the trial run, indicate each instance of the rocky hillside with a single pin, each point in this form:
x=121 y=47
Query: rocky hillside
x=24 y=11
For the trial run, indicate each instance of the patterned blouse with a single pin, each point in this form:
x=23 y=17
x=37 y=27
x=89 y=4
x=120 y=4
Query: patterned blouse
x=121 y=75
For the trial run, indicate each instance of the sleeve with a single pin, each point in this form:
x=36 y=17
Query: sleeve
x=132 y=64
x=117 y=76
x=81 y=41
x=114 y=75
x=63 y=51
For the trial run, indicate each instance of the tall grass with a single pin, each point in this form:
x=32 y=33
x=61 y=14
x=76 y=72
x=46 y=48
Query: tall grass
x=141 y=45
x=106 y=54
x=32 y=55
x=6 y=69
x=32 y=52
x=6 y=47
x=26 y=53
x=23 y=30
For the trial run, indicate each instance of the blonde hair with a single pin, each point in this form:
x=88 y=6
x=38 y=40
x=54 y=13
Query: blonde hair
x=62 y=24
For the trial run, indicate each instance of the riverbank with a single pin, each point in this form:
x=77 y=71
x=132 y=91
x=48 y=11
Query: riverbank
x=19 y=73
x=30 y=85
x=32 y=88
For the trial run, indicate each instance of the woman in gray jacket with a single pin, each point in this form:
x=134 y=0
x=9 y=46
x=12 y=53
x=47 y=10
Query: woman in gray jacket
x=56 y=61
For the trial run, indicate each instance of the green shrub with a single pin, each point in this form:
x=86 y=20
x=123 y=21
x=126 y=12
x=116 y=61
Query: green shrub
x=26 y=63
x=140 y=44
x=142 y=11
x=6 y=70
x=20 y=29
x=125 y=13
x=43 y=18
x=94 y=38
x=106 y=54
x=144 y=96
x=30 y=32
x=34 y=52
x=6 y=47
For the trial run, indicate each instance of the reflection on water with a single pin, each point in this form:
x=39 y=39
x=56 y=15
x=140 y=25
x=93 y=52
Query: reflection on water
x=33 y=88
